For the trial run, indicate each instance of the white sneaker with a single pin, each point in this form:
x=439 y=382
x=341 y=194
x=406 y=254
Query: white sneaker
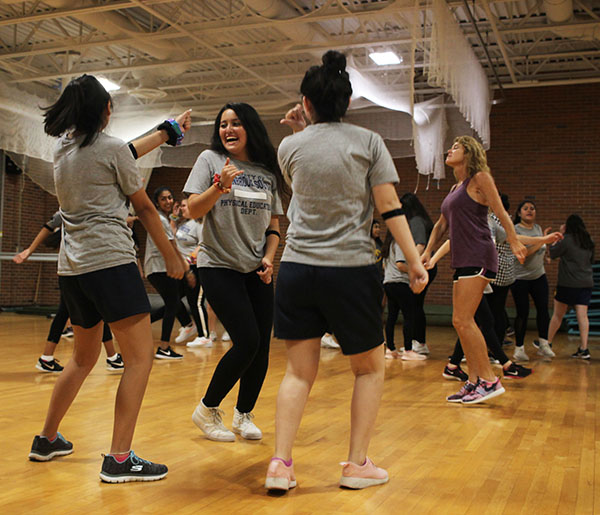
x=225 y=337
x=545 y=349
x=391 y=354
x=327 y=342
x=200 y=341
x=213 y=336
x=519 y=354
x=210 y=421
x=185 y=333
x=411 y=355
x=420 y=348
x=242 y=425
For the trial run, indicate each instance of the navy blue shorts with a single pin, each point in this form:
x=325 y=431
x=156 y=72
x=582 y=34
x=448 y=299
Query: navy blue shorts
x=311 y=300
x=473 y=271
x=111 y=294
x=573 y=296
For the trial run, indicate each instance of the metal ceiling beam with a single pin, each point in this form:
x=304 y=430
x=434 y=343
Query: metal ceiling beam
x=499 y=41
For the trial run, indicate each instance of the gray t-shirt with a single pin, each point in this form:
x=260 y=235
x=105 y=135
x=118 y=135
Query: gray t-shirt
x=331 y=168
x=153 y=259
x=92 y=185
x=533 y=268
x=189 y=236
x=54 y=223
x=233 y=233
x=392 y=274
x=575 y=266
x=418 y=229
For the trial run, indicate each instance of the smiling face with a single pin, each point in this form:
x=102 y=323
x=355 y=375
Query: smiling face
x=527 y=213
x=165 y=201
x=233 y=135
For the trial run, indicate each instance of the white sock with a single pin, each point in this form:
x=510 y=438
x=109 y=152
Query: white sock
x=113 y=357
x=47 y=358
x=542 y=340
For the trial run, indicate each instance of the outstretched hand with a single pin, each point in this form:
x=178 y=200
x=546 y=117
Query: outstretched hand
x=22 y=256
x=294 y=119
x=519 y=250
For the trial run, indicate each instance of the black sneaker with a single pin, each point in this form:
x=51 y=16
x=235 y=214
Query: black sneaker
x=167 y=353
x=581 y=354
x=517 y=371
x=132 y=469
x=43 y=449
x=68 y=333
x=457 y=374
x=116 y=364
x=49 y=366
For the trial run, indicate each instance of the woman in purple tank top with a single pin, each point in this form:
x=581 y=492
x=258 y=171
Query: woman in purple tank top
x=474 y=257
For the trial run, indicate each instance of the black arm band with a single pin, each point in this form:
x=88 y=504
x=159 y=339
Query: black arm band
x=133 y=151
x=392 y=213
x=271 y=231
x=173 y=132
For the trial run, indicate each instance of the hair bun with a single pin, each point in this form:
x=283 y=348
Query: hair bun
x=334 y=61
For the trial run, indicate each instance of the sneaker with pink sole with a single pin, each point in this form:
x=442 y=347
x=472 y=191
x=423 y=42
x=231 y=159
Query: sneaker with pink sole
x=362 y=476
x=280 y=475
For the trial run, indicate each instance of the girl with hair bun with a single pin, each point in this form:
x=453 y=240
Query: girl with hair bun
x=328 y=278
x=94 y=175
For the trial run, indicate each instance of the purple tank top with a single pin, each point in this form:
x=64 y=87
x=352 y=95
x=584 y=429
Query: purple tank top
x=471 y=241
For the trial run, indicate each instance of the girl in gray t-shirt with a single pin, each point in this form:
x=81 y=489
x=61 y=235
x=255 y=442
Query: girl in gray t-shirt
x=236 y=187
x=94 y=175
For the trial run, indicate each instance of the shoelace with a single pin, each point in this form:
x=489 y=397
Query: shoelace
x=216 y=415
x=247 y=418
x=136 y=460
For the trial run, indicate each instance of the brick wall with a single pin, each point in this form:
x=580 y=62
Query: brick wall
x=544 y=146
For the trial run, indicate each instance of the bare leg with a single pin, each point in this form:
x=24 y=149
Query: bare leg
x=368 y=368
x=110 y=348
x=466 y=296
x=49 y=348
x=302 y=367
x=212 y=318
x=584 y=324
x=559 y=312
x=85 y=354
x=135 y=339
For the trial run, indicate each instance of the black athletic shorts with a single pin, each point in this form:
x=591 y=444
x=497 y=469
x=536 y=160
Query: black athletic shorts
x=311 y=300
x=473 y=271
x=573 y=296
x=110 y=294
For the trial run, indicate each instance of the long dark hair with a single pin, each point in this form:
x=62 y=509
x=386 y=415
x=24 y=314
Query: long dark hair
x=575 y=226
x=412 y=207
x=157 y=193
x=82 y=106
x=328 y=87
x=517 y=218
x=259 y=146
x=387 y=243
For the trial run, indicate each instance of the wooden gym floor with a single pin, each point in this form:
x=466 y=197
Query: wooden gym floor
x=535 y=449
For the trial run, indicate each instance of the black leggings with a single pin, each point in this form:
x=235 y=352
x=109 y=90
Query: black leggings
x=420 y=326
x=400 y=298
x=244 y=305
x=168 y=289
x=60 y=320
x=497 y=303
x=538 y=289
x=200 y=316
x=485 y=321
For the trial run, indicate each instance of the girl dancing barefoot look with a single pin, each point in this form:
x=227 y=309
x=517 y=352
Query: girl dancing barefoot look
x=328 y=279
x=94 y=175
x=474 y=257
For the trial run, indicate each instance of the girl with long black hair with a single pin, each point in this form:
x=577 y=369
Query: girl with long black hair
x=575 y=280
x=236 y=186
x=94 y=175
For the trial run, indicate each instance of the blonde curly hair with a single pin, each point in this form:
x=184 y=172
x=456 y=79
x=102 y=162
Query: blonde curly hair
x=474 y=154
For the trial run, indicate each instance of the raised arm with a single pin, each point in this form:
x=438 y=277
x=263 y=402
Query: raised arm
x=149 y=142
x=387 y=203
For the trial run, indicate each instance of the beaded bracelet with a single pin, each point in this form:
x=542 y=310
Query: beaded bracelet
x=219 y=185
x=173 y=131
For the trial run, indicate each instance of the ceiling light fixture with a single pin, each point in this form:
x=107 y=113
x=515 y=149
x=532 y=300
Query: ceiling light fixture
x=108 y=84
x=385 y=58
